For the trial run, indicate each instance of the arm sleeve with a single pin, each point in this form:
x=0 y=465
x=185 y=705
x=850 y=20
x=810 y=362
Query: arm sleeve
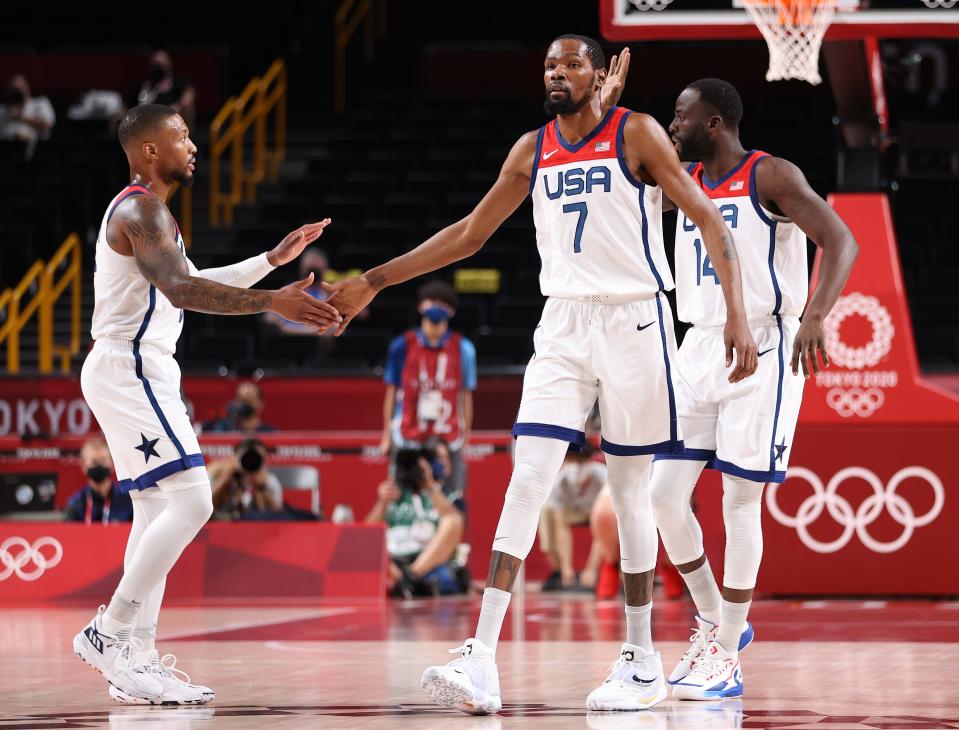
x=242 y=274
x=395 y=357
x=468 y=360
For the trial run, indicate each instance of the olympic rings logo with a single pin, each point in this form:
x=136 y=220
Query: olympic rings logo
x=857 y=358
x=883 y=497
x=645 y=5
x=855 y=401
x=15 y=562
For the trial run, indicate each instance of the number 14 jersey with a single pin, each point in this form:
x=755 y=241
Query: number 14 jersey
x=598 y=228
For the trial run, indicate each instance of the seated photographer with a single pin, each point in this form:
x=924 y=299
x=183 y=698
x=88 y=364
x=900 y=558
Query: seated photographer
x=423 y=528
x=243 y=414
x=578 y=484
x=243 y=488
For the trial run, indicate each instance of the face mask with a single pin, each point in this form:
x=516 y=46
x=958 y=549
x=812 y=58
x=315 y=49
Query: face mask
x=98 y=472
x=251 y=461
x=439 y=471
x=436 y=314
x=16 y=98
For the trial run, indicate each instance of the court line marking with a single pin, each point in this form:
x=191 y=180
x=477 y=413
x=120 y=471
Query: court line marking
x=236 y=625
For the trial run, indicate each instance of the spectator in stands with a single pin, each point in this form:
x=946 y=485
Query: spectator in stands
x=162 y=87
x=423 y=527
x=578 y=484
x=100 y=500
x=242 y=486
x=312 y=260
x=25 y=117
x=243 y=414
x=430 y=378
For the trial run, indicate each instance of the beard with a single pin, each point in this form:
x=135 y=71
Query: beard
x=184 y=177
x=694 y=147
x=565 y=105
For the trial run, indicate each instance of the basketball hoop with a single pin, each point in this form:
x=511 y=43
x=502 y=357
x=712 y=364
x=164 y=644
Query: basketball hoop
x=793 y=30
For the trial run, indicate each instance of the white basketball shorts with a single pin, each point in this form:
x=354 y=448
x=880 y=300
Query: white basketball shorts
x=599 y=347
x=134 y=392
x=744 y=429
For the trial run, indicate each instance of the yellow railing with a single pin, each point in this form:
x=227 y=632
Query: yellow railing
x=349 y=15
x=46 y=285
x=261 y=97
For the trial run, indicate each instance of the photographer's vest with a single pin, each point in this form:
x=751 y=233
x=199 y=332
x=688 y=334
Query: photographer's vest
x=432 y=381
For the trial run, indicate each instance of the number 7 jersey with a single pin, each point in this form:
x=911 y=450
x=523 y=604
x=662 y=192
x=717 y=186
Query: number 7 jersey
x=598 y=228
x=771 y=249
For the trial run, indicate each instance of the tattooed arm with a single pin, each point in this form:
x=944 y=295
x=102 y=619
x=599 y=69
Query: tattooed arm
x=147 y=226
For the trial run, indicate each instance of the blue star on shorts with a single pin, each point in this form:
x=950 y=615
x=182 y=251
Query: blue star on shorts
x=780 y=449
x=148 y=448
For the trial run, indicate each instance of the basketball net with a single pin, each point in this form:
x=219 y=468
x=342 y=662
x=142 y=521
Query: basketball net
x=793 y=30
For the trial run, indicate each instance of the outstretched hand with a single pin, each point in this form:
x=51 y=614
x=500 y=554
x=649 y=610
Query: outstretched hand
x=615 y=82
x=294 y=304
x=294 y=242
x=349 y=297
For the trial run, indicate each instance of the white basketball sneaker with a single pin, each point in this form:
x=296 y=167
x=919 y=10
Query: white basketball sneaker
x=635 y=682
x=704 y=633
x=716 y=676
x=469 y=684
x=114 y=656
x=176 y=691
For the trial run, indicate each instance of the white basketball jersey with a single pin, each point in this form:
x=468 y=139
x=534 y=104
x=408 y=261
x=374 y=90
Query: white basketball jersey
x=772 y=253
x=598 y=228
x=126 y=305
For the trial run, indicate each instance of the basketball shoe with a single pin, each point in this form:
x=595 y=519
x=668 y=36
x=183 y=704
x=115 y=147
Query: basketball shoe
x=716 y=676
x=704 y=632
x=176 y=691
x=114 y=656
x=635 y=682
x=469 y=684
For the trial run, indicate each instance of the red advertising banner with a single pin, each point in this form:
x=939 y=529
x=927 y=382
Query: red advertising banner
x=59 y=561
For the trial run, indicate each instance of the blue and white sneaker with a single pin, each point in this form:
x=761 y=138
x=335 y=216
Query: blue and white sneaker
x=704 y=633
x=635 y=682
x=716 y=676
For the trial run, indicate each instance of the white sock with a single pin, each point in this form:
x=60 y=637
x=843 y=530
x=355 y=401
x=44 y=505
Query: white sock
x=704 y=591
x=120 y=614
x=495 y=603
x=731 y=625
x=639 y=626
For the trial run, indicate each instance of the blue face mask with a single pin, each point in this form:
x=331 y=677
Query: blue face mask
x=439 y=472
x=436 y=314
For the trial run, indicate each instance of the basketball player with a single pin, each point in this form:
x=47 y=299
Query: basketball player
x=743 y=429
x=606 y=332
x=142 y=283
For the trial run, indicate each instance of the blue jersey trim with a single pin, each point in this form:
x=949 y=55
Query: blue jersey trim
x=123 y=197
x=621 y=153
x=673 y=419
x=772 y=269
x=707 y=455
x=727 y=467
x=779 y=394
x=754 y=195
x=724 y=178
x=539 y=151
x=621 y=450
x=146 y=383
x=548 y=430
x=592 y=135
x=645 y=231
x=150 y=479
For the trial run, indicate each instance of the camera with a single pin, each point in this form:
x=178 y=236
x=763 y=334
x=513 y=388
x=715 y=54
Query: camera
x=407 y=471
x=249 y=455
x=238 y=411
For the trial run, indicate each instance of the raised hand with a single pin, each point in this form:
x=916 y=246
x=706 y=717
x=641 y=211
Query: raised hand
x=295 y=241
x=294 y=304
x=615 y=82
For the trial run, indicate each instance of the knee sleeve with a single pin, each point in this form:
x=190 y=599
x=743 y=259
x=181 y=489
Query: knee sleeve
x=742 y=515
x=629 y=489
x=673 y=482
x=190 y=496
x=537 y=462
x=147 y=506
